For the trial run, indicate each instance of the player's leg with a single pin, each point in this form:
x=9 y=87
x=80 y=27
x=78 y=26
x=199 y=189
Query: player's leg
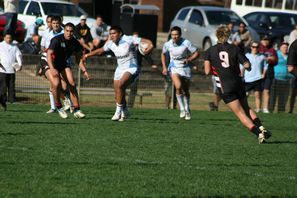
x=176 y=79
x=55 y=82
x=266 y=94
x=186 y=89
x=3 y=91
x=68 y=77
x=66 y=96
x=240 y=113
x=120 y=86
x=258 y=100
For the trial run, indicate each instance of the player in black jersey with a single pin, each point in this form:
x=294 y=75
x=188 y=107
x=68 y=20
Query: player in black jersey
x=223 y=61
x=60 y=49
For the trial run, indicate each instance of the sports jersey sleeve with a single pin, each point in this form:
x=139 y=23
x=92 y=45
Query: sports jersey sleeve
x=191 y=47
x=292 y=57
x=77 y=45
x=106 y=46
x=54 y=43
x=136 y=40
x=165 y=48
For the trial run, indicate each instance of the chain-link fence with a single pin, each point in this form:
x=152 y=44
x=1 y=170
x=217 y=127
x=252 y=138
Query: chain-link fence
x=152 y=86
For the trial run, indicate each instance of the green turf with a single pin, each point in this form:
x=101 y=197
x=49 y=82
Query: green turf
x=153 y=154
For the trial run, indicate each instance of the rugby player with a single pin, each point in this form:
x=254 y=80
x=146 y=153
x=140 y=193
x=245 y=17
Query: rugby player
x=222 y=60
x=127 y=71
x=181 y=52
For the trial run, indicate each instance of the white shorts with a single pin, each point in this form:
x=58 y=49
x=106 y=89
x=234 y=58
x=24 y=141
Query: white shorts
x=182 y=71
x=118 y=74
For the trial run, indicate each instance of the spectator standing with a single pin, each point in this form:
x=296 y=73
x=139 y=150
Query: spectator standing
x=293 y=35
x=281 y=83
x=271 y=57
x=83 y=34
x=11 y=8
x=234 y=36
x=245 y=37
x=32 y=31
x=99 y=32
x=9 y=55
x=253 y=78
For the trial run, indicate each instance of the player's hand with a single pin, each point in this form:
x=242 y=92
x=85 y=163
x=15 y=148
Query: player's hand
x=86 y=74
x=165 y=72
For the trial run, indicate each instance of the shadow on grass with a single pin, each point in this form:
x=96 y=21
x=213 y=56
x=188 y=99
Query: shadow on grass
x=45 y=122
x=14 y=134
x=282 y=142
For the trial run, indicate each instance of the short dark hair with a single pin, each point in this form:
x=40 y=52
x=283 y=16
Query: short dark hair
x=56 y=18
x=116 y=28
x=99 y=16
x=176 y=28
x=69 y=25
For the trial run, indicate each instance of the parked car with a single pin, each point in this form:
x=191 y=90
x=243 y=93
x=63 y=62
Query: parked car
x=275 y=24
x=29 y=10
x=20 y=30
x=199 y=23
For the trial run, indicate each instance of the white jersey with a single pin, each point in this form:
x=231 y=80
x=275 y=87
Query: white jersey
x=178 y=52
x=124 y=51
x=49 y=37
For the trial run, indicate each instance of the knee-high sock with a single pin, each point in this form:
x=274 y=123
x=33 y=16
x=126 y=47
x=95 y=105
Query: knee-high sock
x=119 y=108
x=180 y=100
x=52 y=100
x=187 y=103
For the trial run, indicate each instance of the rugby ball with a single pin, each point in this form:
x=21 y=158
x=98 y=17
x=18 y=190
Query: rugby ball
x=142 y=47
x=16 y=66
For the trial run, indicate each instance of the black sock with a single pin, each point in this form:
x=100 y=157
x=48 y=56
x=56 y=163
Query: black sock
x=255 y=130
x=257 y=122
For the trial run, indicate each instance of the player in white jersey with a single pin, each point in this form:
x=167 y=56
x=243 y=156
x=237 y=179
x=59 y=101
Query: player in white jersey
x=128 y=69
x=181 y=52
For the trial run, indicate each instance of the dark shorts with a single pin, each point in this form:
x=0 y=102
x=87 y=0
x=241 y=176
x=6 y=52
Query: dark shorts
x=62 y=68
x=267 y=82
x=231 y=96
x=294 y=84
x=43 y=67
x=256 y=85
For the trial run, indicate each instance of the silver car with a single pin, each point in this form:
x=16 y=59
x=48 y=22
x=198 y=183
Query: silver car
x=199 y=23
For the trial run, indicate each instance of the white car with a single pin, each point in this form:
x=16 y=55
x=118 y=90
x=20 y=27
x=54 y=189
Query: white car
x=29 y=10
x=199 y=23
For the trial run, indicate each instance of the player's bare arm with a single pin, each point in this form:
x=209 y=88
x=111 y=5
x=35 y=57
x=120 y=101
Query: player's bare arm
x=207 y=67
x=163 y=60
x=193 y=57
x=247 y=66
x=99 y=52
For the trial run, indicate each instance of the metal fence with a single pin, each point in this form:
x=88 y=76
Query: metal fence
x=98 y=91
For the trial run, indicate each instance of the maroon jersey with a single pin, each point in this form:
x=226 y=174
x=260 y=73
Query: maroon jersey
x=225 y=59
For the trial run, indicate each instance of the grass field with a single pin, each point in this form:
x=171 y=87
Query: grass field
x=153 y=154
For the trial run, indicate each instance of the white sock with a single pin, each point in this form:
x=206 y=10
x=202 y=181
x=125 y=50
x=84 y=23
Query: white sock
x=180 y=100
x=187 y=103
x=52 y=100
x=119 y=108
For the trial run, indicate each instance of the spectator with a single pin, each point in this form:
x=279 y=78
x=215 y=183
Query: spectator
x=99 y=32
x=253 y=79
x=32 y=31
x=83 y=34
x=9 y=55
x=11 y=8
x=271 y=58
x=46 y=31
x=245 y=37
x=234 y=36
x=293 y=35
x=281 y=82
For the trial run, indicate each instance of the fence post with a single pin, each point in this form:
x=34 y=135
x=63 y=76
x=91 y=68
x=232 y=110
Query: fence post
x=78 y=81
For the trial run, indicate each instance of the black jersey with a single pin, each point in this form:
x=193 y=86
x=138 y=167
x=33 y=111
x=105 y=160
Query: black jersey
x=225 y=59
x=63 y=49
x=292 y=57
